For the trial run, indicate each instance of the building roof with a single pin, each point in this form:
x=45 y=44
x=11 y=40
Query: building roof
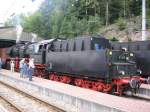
x=10 y=33
x=8 y=36
x=6 y=43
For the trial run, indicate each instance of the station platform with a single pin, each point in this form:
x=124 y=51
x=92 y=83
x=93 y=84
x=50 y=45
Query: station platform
x=144 y=91
x=71 y=98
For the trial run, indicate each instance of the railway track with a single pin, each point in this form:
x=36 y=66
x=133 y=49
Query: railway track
x=24 y=102
x=6 y=106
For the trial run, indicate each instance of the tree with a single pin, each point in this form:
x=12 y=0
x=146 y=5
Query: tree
x=70 y=18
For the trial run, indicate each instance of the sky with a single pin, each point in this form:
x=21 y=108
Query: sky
x=10 y=8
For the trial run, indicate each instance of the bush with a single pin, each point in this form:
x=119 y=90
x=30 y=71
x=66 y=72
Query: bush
x=113 y=39
x=121 y=24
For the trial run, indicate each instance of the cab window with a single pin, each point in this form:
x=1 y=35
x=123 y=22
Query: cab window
x=40 y=48
x=97 y=46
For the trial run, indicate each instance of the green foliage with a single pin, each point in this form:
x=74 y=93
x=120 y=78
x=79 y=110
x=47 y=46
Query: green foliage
x=70 y=18
x=121 y=24
x=94 y=24
x=33 y=23
x=113 y=39
x=129 y=40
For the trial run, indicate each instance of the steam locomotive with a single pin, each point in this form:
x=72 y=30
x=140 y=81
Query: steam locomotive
x=84 y=62
x=141 y=50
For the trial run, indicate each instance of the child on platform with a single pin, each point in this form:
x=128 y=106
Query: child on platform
x=12 y=65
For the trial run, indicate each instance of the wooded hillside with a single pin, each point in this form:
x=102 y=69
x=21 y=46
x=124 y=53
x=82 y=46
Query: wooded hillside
x=71 y=18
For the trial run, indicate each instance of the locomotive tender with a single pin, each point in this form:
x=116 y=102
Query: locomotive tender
x=87 y=62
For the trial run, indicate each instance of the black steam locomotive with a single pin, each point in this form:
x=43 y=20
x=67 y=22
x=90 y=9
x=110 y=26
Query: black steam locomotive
x=86 y=62
x=141 y=50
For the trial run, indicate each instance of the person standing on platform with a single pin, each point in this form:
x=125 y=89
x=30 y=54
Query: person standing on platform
x=21 y=67
x=25 y=69
x=0 y=63
x=31 y=68
x=12 y=65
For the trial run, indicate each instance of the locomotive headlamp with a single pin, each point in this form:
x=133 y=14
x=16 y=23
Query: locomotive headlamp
x=122 y=72
x=139 y=71
x=110 y=53
x=131 y=54
x=127 y=58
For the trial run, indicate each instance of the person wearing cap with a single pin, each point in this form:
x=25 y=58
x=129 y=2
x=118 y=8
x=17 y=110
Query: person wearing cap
x=25 y=69
x=21 y=63
x=31 y=69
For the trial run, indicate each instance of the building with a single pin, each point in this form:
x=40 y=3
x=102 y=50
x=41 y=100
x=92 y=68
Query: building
x=8 y=37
